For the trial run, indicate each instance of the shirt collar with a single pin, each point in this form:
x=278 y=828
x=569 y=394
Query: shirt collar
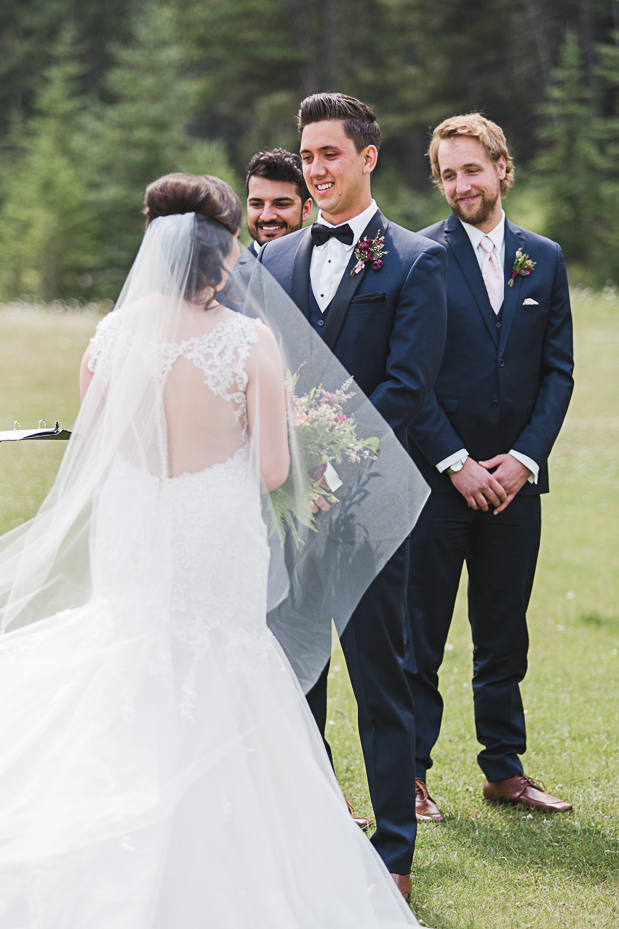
x=357 y=223
x=496 y=235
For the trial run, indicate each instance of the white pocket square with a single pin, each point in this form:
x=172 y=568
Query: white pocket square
x=530 y=302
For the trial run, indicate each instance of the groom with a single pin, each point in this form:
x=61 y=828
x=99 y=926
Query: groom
x=387 y=328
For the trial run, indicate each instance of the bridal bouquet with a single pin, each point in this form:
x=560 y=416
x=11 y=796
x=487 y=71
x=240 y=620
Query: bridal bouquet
x=323 y=434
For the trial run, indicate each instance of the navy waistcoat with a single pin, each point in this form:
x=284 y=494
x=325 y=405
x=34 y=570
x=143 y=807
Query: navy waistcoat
x=316 y=318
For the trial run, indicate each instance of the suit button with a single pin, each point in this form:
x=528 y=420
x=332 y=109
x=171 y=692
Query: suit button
x=494 y=403
x=501 y=363
x=498 y=325
x=321 y=322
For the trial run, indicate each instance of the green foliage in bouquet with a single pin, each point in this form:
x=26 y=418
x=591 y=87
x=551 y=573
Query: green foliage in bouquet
x=320 y=434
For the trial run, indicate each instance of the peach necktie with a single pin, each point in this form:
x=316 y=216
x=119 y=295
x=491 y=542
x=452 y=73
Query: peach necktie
x=492 y=274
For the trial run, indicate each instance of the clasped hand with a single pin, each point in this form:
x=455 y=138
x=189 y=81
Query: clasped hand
x=482 y=489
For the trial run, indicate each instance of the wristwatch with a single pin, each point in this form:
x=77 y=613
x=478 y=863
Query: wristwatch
x=456 y=466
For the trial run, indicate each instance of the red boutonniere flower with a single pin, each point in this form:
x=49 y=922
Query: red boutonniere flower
x=522 y=266
x=369 y=250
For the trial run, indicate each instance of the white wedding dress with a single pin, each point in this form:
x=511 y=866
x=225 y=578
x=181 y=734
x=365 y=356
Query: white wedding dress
x=159 y=766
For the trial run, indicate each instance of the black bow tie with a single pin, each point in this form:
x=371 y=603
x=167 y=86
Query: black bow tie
x=322 y=234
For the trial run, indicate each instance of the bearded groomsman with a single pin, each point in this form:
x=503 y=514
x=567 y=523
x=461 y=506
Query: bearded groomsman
x=278 y=202
x=386 y=327
x=482 y=443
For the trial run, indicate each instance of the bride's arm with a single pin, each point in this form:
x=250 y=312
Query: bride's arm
x=86 y=375
x=266 y=408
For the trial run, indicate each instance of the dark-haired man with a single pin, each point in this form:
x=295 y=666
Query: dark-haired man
x=387 y=328
x=278 y=201
x=482 y=443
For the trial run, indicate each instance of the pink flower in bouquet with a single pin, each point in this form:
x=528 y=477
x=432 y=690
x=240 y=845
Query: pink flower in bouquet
x=323 y=434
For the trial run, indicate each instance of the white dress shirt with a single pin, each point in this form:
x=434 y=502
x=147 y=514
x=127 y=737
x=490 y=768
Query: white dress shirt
x=497 y=237
x=329 y=260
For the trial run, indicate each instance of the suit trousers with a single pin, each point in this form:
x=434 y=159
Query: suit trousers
x=501 y=555
x=373 y=645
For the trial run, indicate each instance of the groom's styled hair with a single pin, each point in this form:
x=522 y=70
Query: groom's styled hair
x=472 y=126
x=360 y=124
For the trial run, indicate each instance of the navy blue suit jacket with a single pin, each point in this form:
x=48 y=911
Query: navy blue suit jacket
x=387 y=328
x=245 y=263
x=500 y=386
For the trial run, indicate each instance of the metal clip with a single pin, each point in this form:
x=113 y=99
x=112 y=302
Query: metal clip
x=42 y=424
x=17 y=424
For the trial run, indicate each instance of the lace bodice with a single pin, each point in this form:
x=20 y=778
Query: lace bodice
x=194 y=544
x=198 y=420
x=220 y=354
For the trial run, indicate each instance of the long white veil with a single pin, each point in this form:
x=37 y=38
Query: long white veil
x=46 y=565
x=160 y=765
x=317 y=582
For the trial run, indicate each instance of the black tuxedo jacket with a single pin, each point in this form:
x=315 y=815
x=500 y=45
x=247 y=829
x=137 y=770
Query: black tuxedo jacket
x=504 y=383
x=387 y=327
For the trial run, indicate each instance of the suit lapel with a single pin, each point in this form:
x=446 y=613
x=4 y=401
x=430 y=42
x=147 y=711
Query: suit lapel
x=247 y=256
x=299 y=283
x=339 y=306
x=462 y=249
x=514 y=239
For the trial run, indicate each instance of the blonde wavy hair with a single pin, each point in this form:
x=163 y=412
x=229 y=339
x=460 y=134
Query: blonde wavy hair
x=473 y=126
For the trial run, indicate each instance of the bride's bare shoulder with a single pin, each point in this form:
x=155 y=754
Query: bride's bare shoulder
x=266 y=338
x=265 y=353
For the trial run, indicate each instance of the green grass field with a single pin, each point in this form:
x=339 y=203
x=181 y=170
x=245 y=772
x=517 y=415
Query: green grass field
x=494 y=868
x=487 y=868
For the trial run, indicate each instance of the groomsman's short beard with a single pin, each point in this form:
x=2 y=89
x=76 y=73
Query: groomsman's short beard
x=481 y=213
x=261 y=239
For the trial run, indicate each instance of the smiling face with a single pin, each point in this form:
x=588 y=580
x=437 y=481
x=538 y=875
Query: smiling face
x=337 y=175
x=274 y=208
x=471 y=181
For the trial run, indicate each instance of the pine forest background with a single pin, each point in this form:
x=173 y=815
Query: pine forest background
x=99 y=97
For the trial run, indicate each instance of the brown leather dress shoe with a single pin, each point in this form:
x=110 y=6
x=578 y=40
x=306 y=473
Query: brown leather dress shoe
x=522 y=791
x=361 y=821
x=425 y=807
x=404 y=884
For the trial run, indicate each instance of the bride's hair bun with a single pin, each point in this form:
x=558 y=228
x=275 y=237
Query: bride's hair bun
x=201 y=194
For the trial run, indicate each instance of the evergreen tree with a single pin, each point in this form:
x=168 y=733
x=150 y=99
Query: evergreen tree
x=414 y=61
x=608 y=71
x=46 y=233
x=29 y=30
x=140 y=135
x=570 y=169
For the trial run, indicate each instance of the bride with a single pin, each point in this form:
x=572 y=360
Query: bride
x=159 y=766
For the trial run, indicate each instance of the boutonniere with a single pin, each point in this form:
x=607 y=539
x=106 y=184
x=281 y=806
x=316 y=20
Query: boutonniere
x=369 y=250
x=522 y=266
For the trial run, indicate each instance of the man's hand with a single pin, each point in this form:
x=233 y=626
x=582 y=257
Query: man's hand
x=511 y=475
x=479 y=488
